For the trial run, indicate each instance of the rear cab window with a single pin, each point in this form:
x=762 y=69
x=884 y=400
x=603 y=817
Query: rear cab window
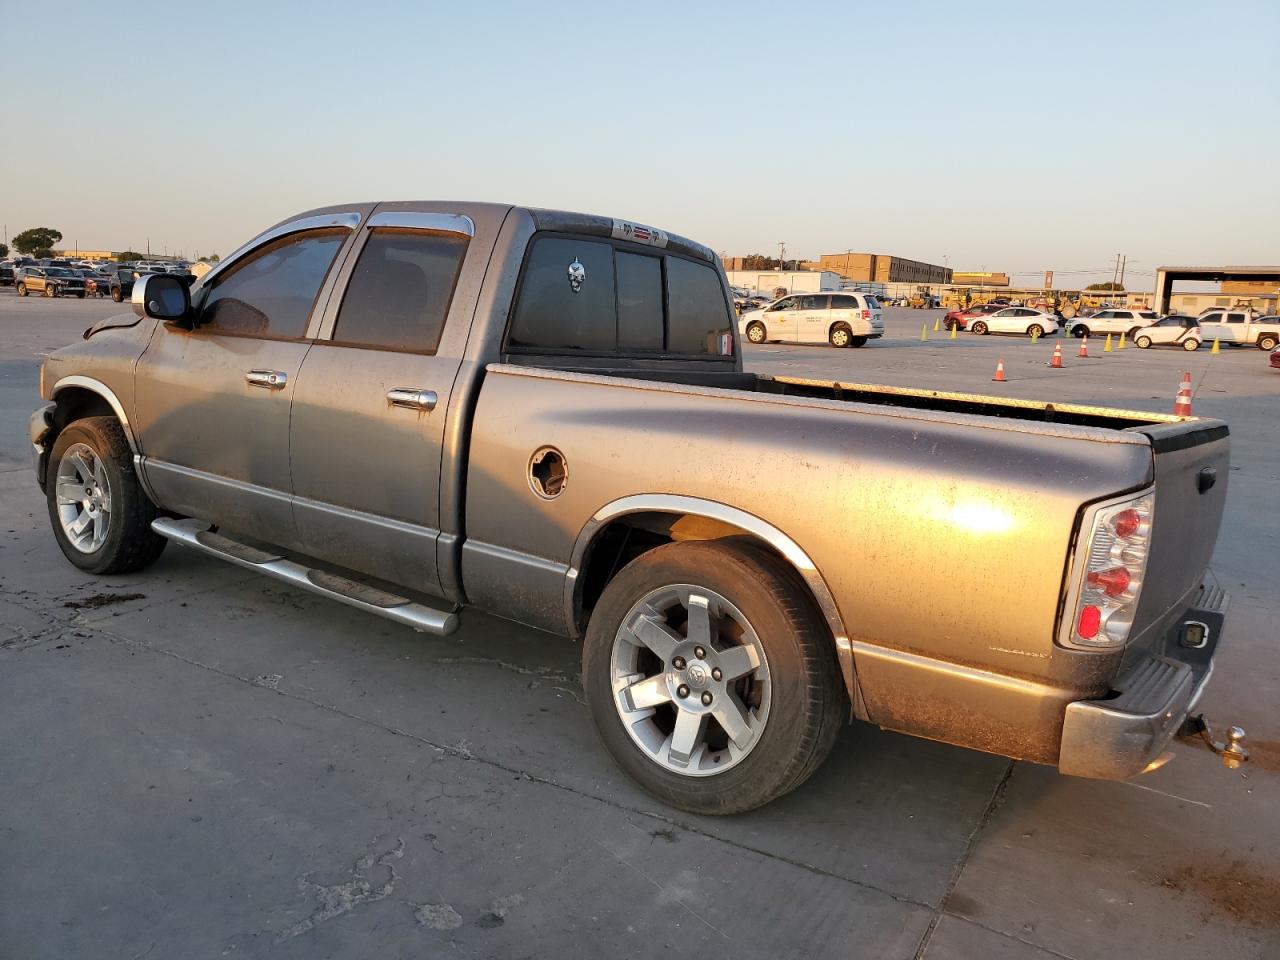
x=583 y=296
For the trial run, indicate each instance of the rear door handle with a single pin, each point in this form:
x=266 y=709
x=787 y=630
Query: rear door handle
x=268 y=379
x=413 y=398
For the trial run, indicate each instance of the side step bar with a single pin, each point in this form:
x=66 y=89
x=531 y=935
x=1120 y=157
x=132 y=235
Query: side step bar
x=196 y=534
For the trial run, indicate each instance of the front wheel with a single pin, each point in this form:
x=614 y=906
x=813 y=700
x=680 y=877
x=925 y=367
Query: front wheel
x=755 y=331
x=101 y=518
x=50 y=290
x=1142 y=342
x=116 y=294
x=1267 y=343
x=711 y=676
x=1190 y=345
x=22 y=289
x=1080 y=330
x=840 y=335
x=979 y=328
x=80 y=294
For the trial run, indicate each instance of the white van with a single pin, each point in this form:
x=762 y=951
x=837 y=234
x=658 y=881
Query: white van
x=842 y=319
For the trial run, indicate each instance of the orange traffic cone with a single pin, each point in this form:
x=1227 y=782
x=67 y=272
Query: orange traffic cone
x=1182 y=401
x=1084 y=346
x=1056 y=362
x=999 y=377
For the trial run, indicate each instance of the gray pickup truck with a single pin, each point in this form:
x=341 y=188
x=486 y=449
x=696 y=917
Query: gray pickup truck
x=413 y=408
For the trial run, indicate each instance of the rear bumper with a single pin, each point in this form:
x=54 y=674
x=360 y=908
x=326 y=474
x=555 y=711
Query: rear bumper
x=1120 y=737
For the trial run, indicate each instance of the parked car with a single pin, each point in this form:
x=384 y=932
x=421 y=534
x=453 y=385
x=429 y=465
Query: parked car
x=121 y=283
x=1171 y=331
x=49 y=281
x=545 y=415
x=840 y=319
x=1128 y=322
x=1275 y=358
x=1240 y=328
x=1023 y=320
x=91 y=279
x=7 y=272
x=959 y=319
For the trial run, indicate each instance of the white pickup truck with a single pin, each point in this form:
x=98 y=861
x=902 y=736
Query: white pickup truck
x=1240 y=327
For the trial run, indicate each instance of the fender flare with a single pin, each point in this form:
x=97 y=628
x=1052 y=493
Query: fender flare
x=107 y=394
x=714 y=510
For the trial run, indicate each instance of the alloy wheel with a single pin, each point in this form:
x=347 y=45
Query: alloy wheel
x=84 y=498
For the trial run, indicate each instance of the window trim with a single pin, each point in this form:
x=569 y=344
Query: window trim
x=616 y=354
x=199 y=301
x=329 y=338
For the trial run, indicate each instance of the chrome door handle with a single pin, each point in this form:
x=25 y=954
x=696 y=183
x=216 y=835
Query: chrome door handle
x=270 y=379
x=412 y=398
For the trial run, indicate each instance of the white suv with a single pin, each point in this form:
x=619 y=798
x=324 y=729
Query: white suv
x=1113 y=321
x=843 y=319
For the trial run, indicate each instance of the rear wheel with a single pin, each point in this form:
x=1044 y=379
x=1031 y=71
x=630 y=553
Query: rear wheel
x=711 y=677
x=1142 y=341
x=1133 y=334
x=1267 y=342
x=841 y=335
x=1080 y=330
x=979 y=328
x=116 y=294
x=80 y=294
x=1190 y=345
x=755 y=331
x=1035 y=330
x=101 y=518
x=22 y=289
x=858 y=341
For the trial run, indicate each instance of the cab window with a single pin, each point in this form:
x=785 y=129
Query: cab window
x=843 y=302
x=813 y=303
x=1235 y=318
x=270 y=293
x=400 y=290
x=698 y=316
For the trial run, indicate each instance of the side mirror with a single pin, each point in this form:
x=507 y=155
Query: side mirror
x=164 y=297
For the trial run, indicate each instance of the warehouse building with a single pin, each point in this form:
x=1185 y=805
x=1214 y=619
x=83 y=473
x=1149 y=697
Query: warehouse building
x=979 y=278
x=880 y=268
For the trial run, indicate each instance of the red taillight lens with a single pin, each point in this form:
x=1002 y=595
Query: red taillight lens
x=1126 y=523
x=1112 y=582
x=1090 y=620
x=866 y=314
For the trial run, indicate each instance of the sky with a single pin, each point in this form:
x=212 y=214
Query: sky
x=1016 y=137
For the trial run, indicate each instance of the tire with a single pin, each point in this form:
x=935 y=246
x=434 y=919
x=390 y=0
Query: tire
x=80 y=295
x=1143 y=341
x=1133 y=334
x=858 y=342
x=1267 y=342
x=1190 y=345
x=841 y=335
x=127 y=543
x=756 y=332
x=796 y=697
x=49 y=290
x=116 y=294
x=22 y=289
x=1035 y=330
x=1079 y=331
x=979 y=327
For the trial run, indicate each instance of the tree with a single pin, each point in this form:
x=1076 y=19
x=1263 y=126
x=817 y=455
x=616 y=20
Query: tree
x=1109 y=285
x=37 y=241
x=211 y=258
x=126 y=255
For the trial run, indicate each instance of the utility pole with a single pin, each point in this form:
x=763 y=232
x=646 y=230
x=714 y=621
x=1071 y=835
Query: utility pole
x=1115 y=274
x=1123 y=261
x=782 y=249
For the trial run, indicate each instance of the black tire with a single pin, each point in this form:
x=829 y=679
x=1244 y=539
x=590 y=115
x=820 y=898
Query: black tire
x=80 y=294
x=1267 y=342
x=130 y=543
x=1035 y=331
x=22 y=289
x=1080 y=331
x=116 y=294
x=50 y=290
x=808 y=702
x=858 y=342
x=1133 y=334
x=756 y=332
x=979 y=327
x=1143 y=342
x=841 y=335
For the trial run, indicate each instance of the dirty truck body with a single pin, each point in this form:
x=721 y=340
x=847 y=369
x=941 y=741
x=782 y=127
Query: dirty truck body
x=416 y=407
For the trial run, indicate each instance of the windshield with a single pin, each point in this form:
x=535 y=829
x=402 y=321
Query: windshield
x=59 y=272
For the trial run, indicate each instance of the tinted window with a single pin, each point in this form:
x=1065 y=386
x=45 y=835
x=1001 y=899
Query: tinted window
x=813 y=303
x=699 y=316
x=400 y=290
x=1211 y=318
x=1235 y=318
x=787 y=303
x=271 y=292
x=1148 y=315
x=550 y=313
x=639 y=302
x=843 y=302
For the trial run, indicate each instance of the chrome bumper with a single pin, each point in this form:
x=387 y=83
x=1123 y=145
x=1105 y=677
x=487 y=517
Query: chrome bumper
x=38 y=428
x=1120 y=737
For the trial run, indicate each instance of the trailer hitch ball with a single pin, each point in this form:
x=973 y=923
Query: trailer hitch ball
x=1232 y=751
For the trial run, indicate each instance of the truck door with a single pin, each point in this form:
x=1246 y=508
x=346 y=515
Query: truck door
x=1212 y=327
x=212 y=403
x=369 y=409
x=1235 y=328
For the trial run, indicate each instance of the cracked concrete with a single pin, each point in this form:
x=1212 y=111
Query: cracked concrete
x=224 y=766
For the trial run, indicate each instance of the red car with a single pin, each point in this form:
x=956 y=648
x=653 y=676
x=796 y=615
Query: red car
x=961 y=318
x=1275 y=358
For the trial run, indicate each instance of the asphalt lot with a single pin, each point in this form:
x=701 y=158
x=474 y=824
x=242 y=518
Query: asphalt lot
x=196 y=762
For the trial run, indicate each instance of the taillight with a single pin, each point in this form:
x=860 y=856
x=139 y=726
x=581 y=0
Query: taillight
x=866 y=314
x=1113 y=555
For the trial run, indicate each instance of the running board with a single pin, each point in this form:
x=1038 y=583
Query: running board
x=196 y=534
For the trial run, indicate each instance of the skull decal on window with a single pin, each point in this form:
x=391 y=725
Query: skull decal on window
x=577 y=275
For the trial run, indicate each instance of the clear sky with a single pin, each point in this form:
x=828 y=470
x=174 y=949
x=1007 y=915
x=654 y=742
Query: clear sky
x=1011 y=136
